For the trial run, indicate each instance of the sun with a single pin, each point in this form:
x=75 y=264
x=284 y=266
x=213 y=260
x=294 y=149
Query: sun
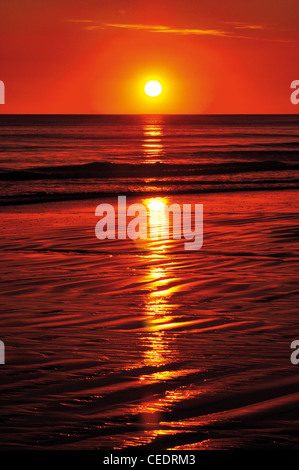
x=153 y=88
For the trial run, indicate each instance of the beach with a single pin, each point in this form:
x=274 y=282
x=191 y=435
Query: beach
x=113 y=344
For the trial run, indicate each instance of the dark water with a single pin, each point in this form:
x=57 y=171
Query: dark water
x=60 y=157
x=120 y=343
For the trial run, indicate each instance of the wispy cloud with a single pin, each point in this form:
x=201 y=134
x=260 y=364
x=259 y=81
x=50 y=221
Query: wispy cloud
x=249 y=26
x=159 y=29
x=231 y=29
x=70 y=20
x=239 y=25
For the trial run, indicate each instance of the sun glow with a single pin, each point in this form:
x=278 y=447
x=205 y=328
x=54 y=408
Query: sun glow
x=153 y=88
x=156 y=205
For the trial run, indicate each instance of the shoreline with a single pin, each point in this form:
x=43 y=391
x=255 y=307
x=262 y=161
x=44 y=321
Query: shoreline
x=133 y=194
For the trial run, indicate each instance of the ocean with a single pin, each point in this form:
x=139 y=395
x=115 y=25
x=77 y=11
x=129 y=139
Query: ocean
x=57 y=157
x=123 y=344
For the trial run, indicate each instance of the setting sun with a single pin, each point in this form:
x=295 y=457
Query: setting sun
x=153 y=88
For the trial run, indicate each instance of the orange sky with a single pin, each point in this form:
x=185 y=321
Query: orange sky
x=94 y=56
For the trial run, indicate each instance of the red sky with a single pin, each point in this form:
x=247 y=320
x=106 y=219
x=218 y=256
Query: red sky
x=94 y=56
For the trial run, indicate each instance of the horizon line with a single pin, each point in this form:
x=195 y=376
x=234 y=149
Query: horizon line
x=149 y=114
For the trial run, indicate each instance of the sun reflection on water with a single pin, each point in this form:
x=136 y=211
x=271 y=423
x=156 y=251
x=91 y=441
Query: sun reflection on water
x=160 y=355
x=152 y=143
x=163 y=379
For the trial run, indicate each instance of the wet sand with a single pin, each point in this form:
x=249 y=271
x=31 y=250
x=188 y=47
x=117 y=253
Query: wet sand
x=113 y=344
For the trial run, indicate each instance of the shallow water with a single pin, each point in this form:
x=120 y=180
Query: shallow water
x=113 y=344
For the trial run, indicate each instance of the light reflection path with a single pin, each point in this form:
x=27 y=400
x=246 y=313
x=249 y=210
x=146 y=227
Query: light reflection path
x=160 y=350
x=152 y=144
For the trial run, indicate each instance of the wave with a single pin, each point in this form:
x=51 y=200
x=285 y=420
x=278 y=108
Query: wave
x=142 y=170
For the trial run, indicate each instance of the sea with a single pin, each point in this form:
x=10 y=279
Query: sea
x=140 y=344
x=57 y=157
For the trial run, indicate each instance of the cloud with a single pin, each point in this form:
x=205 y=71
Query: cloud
x=239 y=25
x=69 y=20
x=249 y=26
x=232 y=30
x=162 y=29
